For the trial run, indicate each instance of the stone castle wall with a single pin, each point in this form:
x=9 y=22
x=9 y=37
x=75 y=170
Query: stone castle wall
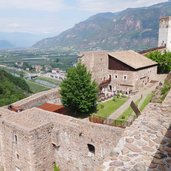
x=15 y=152
x=39 y=98
x=72 y=142
x=45 y=137
x=34 y=139
x=146 y=144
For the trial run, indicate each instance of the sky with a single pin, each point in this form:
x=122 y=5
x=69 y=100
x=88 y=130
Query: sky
x=55 y=16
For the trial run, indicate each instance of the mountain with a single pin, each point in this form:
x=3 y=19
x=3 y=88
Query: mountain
x=20 y=39
x=133 y=28
x=12 y=88
x=5 y=44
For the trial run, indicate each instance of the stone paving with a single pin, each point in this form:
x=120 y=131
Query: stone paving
x=146 y=145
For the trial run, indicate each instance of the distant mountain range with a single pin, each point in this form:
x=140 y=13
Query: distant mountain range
x=133 y=28
x=5 y=44
x=18 y=39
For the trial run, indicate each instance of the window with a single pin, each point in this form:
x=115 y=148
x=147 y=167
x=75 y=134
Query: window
x=91 y=148
x=125 y=77
x=15 y=139
x=18 y=156
x=110 y=87
x=115 y=76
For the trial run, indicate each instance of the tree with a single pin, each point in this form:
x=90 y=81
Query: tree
x=163 y=60
x=78 y=92
x=57 y=60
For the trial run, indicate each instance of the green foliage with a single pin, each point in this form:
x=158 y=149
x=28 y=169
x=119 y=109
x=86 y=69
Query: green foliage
x=78 y=92
x=163 y=60
x=161 y=91
x=166 y=87
x=128 y=112
x=12 y=88
x=109 y=107
x=35 y=88
x=146 y=101
x=56 y=168
x=57 y=60
x=26 y=65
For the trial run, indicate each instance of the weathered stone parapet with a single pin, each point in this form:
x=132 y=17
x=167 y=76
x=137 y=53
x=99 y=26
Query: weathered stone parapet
x=39 y=98
x=146 y=144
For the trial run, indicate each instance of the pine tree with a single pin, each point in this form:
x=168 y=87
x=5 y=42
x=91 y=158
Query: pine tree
x=78 y=92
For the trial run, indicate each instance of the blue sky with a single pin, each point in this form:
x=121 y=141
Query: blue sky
x=55 y=16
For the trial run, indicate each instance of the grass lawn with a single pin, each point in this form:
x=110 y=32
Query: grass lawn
x=50 y=80
x=128 y=112
x=146 y=101
x=107 y=108
x=35 y=88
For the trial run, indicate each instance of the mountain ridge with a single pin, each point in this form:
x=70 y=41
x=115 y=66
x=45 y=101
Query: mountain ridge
x=20 y=39
x=133 y=28
x=6 y=44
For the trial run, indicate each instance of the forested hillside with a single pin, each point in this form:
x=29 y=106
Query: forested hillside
x=12 y=88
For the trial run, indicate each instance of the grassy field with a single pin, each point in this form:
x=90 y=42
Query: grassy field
x=107 y=108
x=50 y=80
x=65 y=59
x=128 y=112
x=146 y=101
x=35 y=88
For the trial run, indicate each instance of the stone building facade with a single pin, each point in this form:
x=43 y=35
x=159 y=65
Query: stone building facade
x=127 y=71
x=32 y=140
x=97 y=63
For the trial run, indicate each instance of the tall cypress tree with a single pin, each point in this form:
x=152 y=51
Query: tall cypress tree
x=79 y=92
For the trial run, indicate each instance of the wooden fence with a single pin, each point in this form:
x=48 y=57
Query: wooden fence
x=118 y=122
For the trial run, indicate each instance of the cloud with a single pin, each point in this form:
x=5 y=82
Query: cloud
x=46 y=5
x=54 y=16
x=113 y=5
x=147 y=2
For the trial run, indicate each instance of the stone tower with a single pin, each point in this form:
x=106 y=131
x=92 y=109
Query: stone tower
x=165 y=32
